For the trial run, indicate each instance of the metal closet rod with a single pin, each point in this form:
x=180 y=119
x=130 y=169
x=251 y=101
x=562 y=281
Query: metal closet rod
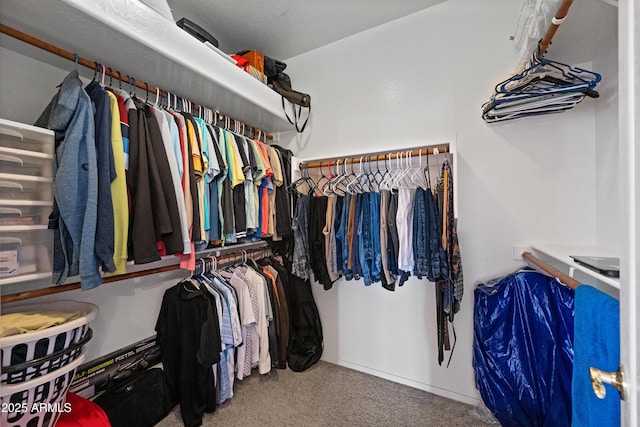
x=558 y=19
x=426 y=151
x=41 y=44
x=73 y=286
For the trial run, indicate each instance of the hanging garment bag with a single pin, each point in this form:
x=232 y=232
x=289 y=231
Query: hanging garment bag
x=523 y=349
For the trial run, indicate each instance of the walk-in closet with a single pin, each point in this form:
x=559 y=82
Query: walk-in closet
x=420 y=212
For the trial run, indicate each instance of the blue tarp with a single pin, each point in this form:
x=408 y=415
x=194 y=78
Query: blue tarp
x=523 y=349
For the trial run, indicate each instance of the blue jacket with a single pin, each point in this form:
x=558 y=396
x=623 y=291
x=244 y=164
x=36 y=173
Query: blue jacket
x=75 y=184
x=106 y=174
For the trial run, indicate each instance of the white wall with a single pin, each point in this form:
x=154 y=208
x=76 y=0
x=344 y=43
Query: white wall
x=605 y=61
x=422 y=80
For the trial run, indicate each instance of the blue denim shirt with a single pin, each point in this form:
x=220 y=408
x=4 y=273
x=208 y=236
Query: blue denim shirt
x=75 y=184
x=376 y=256
x=364 y=233
x=357 y=268
x=300 y=266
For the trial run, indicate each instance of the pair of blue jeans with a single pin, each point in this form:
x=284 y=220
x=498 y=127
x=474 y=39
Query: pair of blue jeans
x=341 y=237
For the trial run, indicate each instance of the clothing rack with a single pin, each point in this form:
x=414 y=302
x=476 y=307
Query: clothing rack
x=171 y=99
x=558 y=19
x=260 y=252
x=375 y=157
x=546 y=268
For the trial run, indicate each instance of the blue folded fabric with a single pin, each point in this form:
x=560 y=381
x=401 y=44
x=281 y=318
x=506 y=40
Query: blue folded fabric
x=596 y=344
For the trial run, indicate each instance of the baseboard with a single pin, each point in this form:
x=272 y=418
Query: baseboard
x=470 y=400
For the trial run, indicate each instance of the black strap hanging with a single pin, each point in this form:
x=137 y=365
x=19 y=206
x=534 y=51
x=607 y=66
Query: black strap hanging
x=297 y=115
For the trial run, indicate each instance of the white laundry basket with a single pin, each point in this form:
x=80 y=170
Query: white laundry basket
x=33 y=354
x=38 y=402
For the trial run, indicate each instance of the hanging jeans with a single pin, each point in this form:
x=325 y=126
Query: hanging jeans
x=392 y=235
x=364 y=239
x=347 y=250
x=376 y=257
x=300 y=265
x=355 y=255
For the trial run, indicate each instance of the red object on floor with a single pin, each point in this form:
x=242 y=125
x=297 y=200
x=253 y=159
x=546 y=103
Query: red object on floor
x=82 y=413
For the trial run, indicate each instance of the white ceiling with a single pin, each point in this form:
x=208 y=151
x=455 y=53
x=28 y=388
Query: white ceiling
x=285 y=28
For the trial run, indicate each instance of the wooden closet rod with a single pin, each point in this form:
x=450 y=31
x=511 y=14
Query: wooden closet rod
x=73 y=286
x=150 y=89
x=558 y=19
x=376 y=157
x=567 y=280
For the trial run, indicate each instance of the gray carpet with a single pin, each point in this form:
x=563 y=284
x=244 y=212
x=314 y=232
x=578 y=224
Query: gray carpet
x=330 y=395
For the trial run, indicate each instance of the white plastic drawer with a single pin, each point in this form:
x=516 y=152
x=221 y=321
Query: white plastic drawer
x=25 y=252
x=19 y=189
x=15 y=213
x=25 y=163
x=20 y=136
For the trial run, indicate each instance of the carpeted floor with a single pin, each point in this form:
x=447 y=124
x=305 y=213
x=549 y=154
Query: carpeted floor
x=330 y=395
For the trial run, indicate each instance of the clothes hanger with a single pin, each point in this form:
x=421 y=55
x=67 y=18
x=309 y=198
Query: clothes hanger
x=304 y=179
x=354 y=186
x=403 y=169
x=337 y=186
x=334 y=175
x=119 y=79
x=317 y=185
x=95 y=72
x=368 y=177
x=378 y=176
x=417 y=176
x=385 y=184
x=325 y=188
x=132 y=87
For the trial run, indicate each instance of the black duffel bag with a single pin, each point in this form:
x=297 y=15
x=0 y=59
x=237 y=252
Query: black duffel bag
x=280 y=82
x=142 y=400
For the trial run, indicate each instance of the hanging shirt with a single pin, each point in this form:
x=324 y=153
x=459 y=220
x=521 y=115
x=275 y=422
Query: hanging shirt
x=195 y=174
x=226 y=214
x=261 y=339
x=166 y=133
x=75 y=193
x=404 y=223
x=118 y=192
x=265 y=188
x=216 y=165
x=106 y=174
x=190 y=344
x=278 y=179
x=238 y=166
x=250 y=190
x=247 y=318
x=164 y=196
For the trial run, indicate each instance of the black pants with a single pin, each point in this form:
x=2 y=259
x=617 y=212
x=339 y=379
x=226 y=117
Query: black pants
x=317 y=220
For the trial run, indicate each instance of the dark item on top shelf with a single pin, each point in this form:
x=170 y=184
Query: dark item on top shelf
x=280 y=82
x=197 y=31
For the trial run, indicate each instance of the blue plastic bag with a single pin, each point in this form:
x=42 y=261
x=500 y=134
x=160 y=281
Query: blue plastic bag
x=523 y=349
